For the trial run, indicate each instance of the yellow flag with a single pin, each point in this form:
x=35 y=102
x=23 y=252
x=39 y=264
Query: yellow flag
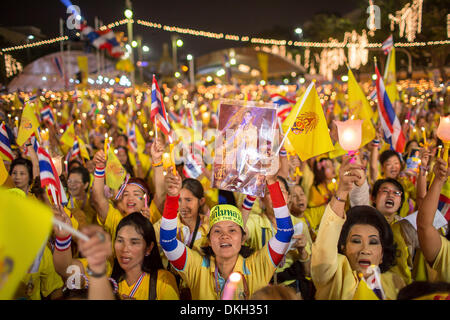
x=263 y=59
x=84 y=68
x=16 y=103
x=68 y=137
x=390 y=78
x=22 y=235
x=3 y=173
x=65 y=112
x=28 y=124
x=122 y=121
x=306 y=126
x=83 y=151
x=140 y=140
x=114 y=172
x=363 y=292
x=360 y=108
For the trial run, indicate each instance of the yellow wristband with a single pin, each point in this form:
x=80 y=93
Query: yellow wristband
x=157 y=164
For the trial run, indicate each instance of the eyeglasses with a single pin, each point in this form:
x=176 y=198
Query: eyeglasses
x=73 y=182
x=395 y=192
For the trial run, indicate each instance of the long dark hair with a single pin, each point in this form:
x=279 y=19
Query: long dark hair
x=152 y=263
x=371 y=216
x=319 y=171
x=127 y=166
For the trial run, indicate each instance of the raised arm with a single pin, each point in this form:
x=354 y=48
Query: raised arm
x=429 y=237
x=62 y=256
x=279 y=243
x=99 y=201
x=156 y=151
x=174 y=249
x=97 y=250
x=421 y=182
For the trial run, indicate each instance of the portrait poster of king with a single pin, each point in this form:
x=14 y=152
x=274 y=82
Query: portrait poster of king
x=244 y=145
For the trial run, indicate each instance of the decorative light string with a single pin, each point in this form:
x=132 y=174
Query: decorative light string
x=232 y=37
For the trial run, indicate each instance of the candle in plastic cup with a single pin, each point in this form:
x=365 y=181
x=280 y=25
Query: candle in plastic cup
x=231 y=286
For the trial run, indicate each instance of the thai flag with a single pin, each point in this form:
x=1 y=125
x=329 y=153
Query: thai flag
x=388 y=44
x=102 y=39
x=75 y=149
x=157 y=110
x=49 y=177
x=132 y=141
x=284 y=105
x=444 y=206
x=373 y=95
x=5 y=145
x=389 y=121
x=47 y=115
x=191 y=168
x=173 y=116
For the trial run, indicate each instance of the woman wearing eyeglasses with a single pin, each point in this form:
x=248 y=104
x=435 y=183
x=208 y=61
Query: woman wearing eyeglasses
x=388 y=197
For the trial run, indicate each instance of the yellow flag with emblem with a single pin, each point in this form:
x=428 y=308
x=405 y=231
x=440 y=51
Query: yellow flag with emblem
x=28 y=124
x=114 y=172
x=390 y=78
x=306 y=126
x=68 y=137
x=22 y=235
x=360 y=108
x=83 y=151
x=363 y=292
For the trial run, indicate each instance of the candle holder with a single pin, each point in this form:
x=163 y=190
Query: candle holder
x=443 y=132
x=349 y=133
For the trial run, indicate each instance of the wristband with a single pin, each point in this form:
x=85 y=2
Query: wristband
x=62 y=244
x=99 y=172
x=248 y=202
x=339 y=199
x=283 y=152
x=159 y=164
x=93 y=274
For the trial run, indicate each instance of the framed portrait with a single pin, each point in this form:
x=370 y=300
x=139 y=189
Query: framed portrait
x=244 y=146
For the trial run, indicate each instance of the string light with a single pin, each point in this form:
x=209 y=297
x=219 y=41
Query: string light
x=234 y=37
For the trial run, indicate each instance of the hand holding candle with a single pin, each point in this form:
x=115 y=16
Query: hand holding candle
x=231 y=286
x=443 y=132
x=349 y=133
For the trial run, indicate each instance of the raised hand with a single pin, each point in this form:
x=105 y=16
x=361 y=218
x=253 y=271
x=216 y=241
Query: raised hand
x=173 y=183
x=99 y=159
x=61 y=215
x=98 y=249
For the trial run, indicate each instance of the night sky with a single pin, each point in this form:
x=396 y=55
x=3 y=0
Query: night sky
x=242 y=17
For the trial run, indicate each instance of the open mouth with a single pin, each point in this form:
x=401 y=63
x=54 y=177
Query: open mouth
x=131 y=205
x=124 y=260
x=225 y=245
x=364 y=263
x=389 y=203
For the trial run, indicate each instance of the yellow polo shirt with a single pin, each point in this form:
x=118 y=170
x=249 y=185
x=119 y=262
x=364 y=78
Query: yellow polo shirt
x=442 y=262
x=43 y=282
x=199 y=274
x=166 y=287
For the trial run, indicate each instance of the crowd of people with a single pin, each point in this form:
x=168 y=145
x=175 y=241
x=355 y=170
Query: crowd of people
x=328 y=228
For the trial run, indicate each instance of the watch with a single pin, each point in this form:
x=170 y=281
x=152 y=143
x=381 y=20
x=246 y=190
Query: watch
x=94 y=274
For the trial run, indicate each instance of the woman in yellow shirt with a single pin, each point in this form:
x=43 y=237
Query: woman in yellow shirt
x=137 y=267
x=348 y=244
x=324 y=186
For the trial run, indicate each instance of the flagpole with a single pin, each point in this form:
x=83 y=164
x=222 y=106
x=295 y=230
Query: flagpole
x=305 y=95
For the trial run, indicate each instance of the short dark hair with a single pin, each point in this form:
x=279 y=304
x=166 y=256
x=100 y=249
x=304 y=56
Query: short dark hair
x=371 y=216
x=388 y=154
x=85 y=175
x=144 y=227
x=377 y=185
x=23 y=162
